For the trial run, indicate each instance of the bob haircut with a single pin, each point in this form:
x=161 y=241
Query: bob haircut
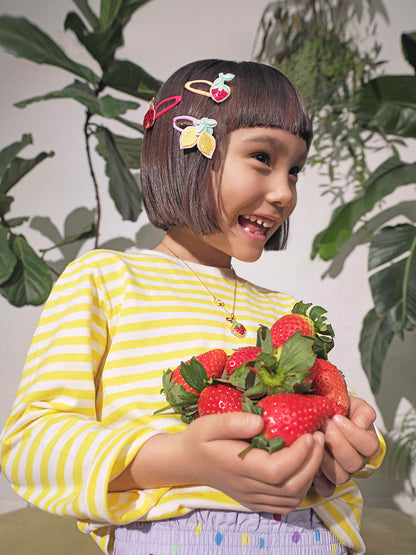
x=177 y=184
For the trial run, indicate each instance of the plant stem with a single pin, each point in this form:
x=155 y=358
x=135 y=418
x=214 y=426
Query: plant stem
x=87 y=135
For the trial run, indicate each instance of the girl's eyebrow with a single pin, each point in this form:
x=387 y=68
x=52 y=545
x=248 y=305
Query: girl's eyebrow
x=263 y=139
x=270 y=141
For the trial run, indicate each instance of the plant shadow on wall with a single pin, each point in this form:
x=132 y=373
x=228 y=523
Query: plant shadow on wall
x=358 y=112
x=26 y=277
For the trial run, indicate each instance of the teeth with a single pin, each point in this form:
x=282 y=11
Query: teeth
x=258 y=220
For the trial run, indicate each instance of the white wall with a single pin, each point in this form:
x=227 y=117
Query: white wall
x=162 y=36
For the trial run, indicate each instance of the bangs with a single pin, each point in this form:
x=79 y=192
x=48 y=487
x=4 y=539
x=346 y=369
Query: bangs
x=262 y=96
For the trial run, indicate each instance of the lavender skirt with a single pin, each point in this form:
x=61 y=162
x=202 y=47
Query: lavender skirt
x=229 y=533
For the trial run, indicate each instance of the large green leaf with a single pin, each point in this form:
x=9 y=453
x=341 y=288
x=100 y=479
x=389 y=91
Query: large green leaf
x=106 y=106
x=101 y=44
x=108 y=12
x=5 y=203
x=131 y=124
x=19 y=168
x=123 y=187
x=87 y=12
x=389 y=103
x=394 y=288
x=31 y=280
x=130 y=78
x=8 y=153
x=387 y=177
x=389 y=243
x=7 y=257
x=375 y=340
x=409 y=47
x=129 y=149
x=120 y=9
x=24 y=40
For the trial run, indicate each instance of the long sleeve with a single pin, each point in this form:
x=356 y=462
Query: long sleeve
x=57 y=451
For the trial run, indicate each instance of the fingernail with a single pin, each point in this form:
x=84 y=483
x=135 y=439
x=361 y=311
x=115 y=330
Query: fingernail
x=338 y=419
x=321 y=439
x=252 y=419
x=309 y=440
x=360 y=422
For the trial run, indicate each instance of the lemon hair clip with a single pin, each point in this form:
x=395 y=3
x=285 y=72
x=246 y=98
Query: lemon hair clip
x=200 y=133
x=219 y=90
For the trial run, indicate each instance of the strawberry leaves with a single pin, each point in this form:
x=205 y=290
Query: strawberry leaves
x=324 y=340
x=194 y=374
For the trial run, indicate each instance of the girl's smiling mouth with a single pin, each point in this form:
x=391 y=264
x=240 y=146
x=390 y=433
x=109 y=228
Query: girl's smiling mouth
x=255 y=225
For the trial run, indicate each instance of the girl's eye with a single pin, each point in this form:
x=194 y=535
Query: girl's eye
x=262 y=157
x=295 y=171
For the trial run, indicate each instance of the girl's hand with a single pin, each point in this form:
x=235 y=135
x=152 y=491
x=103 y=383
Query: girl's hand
x=207 y=452
x=349 y=443
x=274 y=483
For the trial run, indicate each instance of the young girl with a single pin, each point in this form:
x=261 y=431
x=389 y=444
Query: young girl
x=221 y=156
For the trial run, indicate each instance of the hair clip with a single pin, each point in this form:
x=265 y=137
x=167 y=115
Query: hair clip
x=200 y=133
x=151 y=116
x=218 y=91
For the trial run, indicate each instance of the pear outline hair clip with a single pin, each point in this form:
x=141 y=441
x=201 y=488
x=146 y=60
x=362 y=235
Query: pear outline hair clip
x=199 y=133
x=151 y=115
x=218 y=91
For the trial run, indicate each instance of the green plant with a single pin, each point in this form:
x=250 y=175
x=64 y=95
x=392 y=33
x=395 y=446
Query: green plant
x=402 y=449
x=317 y=44
x=387 y=105
x=25 y=277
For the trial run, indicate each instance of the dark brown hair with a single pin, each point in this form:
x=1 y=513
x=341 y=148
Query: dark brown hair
x=177 y=184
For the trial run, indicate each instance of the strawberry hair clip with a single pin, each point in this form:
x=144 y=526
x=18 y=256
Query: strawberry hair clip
x=152 y=113
x=218 y=91
x=199 y=133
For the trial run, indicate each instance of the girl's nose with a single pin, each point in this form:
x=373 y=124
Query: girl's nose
x=282 y=191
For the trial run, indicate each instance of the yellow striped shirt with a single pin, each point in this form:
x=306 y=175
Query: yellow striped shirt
x=92 y=379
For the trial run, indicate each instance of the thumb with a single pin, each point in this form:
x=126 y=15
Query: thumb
x=231 y=425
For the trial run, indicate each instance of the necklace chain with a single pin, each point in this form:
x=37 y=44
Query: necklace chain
x=236 y=328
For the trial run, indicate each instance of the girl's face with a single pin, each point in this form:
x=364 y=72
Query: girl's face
x=257 y=194
x=258 y=188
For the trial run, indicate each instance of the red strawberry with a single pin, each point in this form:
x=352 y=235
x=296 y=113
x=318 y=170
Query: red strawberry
x=289 y=415
x=286 y=417
x=329 y=382
x=219 y=398
x=287 y=325
x=214 y=363
x=310 y=322
x=240 y=356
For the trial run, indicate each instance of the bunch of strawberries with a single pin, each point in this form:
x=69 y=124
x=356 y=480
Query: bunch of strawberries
x=286 y=378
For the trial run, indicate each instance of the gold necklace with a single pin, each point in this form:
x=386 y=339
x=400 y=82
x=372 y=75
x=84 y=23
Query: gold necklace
x=236 y=328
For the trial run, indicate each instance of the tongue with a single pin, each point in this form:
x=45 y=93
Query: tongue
x=253 y=227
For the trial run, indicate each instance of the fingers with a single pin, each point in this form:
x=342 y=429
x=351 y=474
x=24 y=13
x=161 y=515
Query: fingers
x=361 y=413
x=322 y=485
x=304 y=455
x=231 y=425
x=285 y=476
x=363 y=440
x=332 y=472
x=347 y=449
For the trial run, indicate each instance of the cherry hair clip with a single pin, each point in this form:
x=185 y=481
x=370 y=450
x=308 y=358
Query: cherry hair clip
x=200 y=133
x=218 y=91
x=151 y=115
